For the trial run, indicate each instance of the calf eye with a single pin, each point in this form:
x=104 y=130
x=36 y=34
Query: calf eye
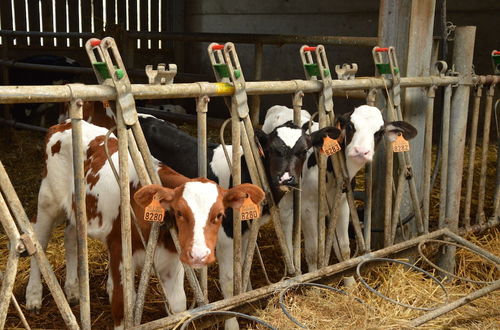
x=178 y=214
x=218 y=218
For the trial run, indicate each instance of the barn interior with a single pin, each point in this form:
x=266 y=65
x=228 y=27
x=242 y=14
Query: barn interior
x=37 y=35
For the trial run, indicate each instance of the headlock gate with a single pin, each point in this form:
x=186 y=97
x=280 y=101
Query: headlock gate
x=383 y=89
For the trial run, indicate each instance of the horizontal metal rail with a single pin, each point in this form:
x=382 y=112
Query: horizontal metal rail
x=58 y=93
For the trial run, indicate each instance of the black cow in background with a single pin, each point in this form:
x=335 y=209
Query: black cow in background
x=40 y=114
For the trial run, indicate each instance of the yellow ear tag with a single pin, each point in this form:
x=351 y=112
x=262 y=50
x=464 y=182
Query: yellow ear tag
x=400 y=144
x=106 y=104
x=330 y=146
x=249 y=210
x=154 y=212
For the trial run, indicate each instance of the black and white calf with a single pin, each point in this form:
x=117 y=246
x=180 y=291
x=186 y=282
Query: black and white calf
x=363 y=128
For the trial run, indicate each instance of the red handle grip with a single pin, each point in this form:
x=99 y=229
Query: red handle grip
x=217 y=47
x=309 y=49
x=497 y=52
x=96 y=42
x=381 y=50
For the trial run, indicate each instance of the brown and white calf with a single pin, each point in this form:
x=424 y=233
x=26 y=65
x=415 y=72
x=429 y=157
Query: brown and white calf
x=198 y=205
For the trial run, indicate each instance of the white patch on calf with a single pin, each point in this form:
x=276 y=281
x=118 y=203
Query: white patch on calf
x=200 y=196
x=219 y=165
x=277 y=115
x=367 y=120
x=289 y=136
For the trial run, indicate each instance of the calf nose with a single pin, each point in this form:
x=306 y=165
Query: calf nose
x=198 y=254
x=287 y=179
x=361 y=151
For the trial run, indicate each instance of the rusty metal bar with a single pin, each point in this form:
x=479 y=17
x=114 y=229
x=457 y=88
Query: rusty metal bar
x=426 y=186
x=255 y=104
x=488 y=107
x=389 y=160
x=397 y=204
x=8 y=282
x=322 y=274
x=50 y=279
x=76 y=115
x=454 y=304
x=370 y=100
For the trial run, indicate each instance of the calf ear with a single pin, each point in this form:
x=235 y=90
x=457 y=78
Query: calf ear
x=144 y=196
x=235 y=196
x=317 y=137
x=393 y=128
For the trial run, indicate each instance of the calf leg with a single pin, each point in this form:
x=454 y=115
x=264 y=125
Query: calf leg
x=172 y=275
x=341 y=239
x=114 y=284
x=47 y=214
x=310 y=230
x=71 y=286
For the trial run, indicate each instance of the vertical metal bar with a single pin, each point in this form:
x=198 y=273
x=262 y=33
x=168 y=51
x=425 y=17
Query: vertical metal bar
x=426 y=188
x=201 y=122
x=23 y=222
x=488 y=107
x=370 y=100
x=463 y=51
x=76 y=115
x=297 y=200
x=397 y=204
x=8 y=283
x=389 y=161
x=478 y=91
x=255 y=105
x=126 y=237
x=255 y=225
x=445 y=143
x=322 y=119
x=236 y=171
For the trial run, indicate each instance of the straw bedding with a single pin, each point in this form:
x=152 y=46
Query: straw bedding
x=21 y=153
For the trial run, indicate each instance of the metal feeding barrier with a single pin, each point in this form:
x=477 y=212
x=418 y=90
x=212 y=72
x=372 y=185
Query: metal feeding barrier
x=115 y=86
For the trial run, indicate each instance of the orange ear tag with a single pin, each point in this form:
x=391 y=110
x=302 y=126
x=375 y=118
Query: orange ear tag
x=330 y=146
x=154 y=212
x=249 y=210
x=400 y=144
x=106 y=104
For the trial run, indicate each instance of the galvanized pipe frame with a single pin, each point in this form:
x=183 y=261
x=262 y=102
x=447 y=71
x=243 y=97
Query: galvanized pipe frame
x=24 y=226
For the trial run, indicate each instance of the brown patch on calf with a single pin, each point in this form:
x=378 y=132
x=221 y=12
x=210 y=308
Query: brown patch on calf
x=56 y=147
x=96 y=158
x=94 y=113
x=53 y=130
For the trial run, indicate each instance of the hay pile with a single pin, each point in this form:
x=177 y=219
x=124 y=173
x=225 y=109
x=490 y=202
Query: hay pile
x=322 y=309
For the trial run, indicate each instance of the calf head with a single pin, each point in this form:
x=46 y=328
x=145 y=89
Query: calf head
x=285 y=150
x=364 y=127
x=198 y=206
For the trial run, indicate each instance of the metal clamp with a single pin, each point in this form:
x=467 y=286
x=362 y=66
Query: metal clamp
x=389 y=67
x=441 y=68
x=318 y=70
x=161 y=76
x=495 y=60
x=227 y=69
x=346 y=71
x=113 y=73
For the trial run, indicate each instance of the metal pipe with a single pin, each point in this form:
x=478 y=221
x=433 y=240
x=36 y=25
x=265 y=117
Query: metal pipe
x=482 y=252
x=426 y=187
x=127 y=273
x=321 y=160
x=76 y=115
x=60 y=93
x=370 y=100
x=201 y=124
x=16 y=124
x=24 y=225
x=389 y=161
x=478 y=91
x=454 y=304
x=255 y=105
x=488 y=107
x=297 y=195
x=8 y=282
x=323 y=274
x=255 y=225
x=445 y=142
x=397 y=204
x=236 y=171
